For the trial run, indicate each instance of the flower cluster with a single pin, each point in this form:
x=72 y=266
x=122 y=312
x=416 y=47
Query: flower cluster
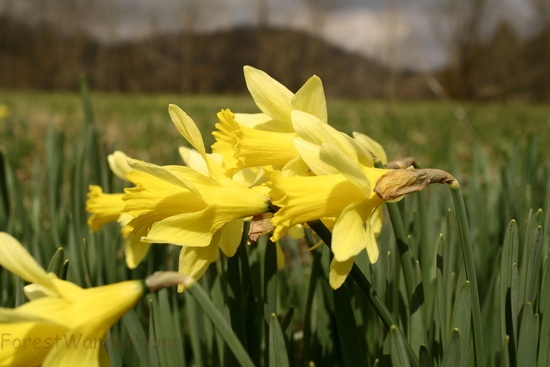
x=286 y=160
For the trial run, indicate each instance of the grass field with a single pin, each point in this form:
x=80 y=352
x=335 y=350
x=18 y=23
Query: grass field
x=437 y=134
x=420 y=315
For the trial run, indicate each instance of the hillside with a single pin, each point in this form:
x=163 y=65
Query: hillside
x=42 y=57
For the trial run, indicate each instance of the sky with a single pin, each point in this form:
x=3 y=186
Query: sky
x=408 y=33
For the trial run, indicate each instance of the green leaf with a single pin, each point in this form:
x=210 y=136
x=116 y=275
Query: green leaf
x=462 y=320
x=544 y=310
x=532 y=274
x=278 y=356
x=167 y=340
x=509 y=257
x=451 y=357
x=504 y=355
x=469 y=266
x=137 y=336
x=220 y=324
x=425 y=357
x=270 y=281
x=352 y=351
x=197 y=324
x=57 y=262
x=418 y=335
x=153 y=355
x=398 y=350
x=528 y=336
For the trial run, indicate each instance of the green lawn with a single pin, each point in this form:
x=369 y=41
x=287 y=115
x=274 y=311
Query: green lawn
x=433 y=132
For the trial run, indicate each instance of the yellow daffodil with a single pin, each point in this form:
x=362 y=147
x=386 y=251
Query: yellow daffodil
x=200 y=210
x=105 y=208
x=64 y=325
x=182 y=206
x=267 y=138
x=303 y=199
x=277 y=102
x=312 y=133
x=352 y=196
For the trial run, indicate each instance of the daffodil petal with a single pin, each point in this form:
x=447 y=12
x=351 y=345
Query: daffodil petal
x=187 y=229
x=271 y=97
x=118 y=162
x=163 y=173
x=192 y=158
x=42 y=334
x=349 y=235
x=230 y=237
x=297 y=232
x=194 y=261
x=280 y=256
x=105 y=208
x=310 y=98
x=371 y=246
x=187 y=128
x=261 y=121
x=376 y=220
x=371 y=145
x=249 y=176
x=82 y=351
x=253 y=120
x=310 y=153
x=339 y=271
x=13 y=316
x=15 y=258
x=310 y=128
x=134 y=249
x=296 y=167
x=333 y=156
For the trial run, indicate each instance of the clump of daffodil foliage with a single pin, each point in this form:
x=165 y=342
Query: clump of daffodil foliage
x=240 y=227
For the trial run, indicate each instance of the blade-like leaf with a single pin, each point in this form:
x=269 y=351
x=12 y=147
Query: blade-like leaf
x=278 y=356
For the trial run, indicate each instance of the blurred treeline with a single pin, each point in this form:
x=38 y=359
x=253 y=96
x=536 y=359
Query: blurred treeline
x=504 y=65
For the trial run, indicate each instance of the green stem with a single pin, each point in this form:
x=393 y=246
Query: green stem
x=402 y=245
x=469 y=265
x=402 y=248
x=367 y=289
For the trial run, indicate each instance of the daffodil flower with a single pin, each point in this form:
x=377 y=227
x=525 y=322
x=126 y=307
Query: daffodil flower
x=64 y=325
x=301 y=199
x=107 y=208
x=201 y=210
x=352 y=196
x=266 y=138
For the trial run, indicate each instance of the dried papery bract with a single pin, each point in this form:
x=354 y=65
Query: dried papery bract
x=398 y=182
x=260 y=225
